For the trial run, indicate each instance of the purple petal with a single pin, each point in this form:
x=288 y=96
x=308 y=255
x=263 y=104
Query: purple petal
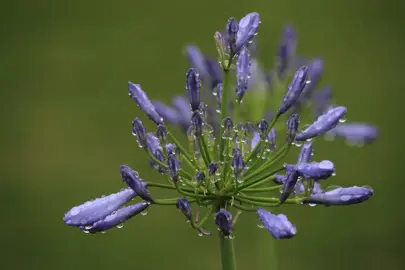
x=248 y=27
x=277 y=225
x=342 y=196
x=355 y=132
x=140 y=97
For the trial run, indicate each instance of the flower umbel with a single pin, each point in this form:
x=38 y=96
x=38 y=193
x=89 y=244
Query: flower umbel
x=238 y=138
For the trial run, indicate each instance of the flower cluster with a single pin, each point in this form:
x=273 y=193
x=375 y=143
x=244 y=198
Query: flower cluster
x=233 y=161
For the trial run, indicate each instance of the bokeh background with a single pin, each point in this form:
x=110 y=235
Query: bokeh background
x=66 y=120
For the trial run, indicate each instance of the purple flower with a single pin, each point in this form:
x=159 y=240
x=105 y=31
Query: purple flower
x=197 y=123
x=173 y=165
x=237 y=162
x=214 y=71
x=193 y=88
x=152 y=142
x=131 y=178
x=140 y=97
x=232 y=29
x=262 y=127
x=314 y=170
x=315 y=71
x=271 y=137
x=255 y=139
x=342 y=196
x=228 y=127
x=183 y=106
x=212 y=168
x=322 y=100
x=223 y=219
x=197 y=60
x=323 y=124
x=355 y=132
x=161 y=133
x=171 y=115
x=184 y=207
x=277 y=225
x=248 y=27
x=289 y=184
x=139 y=131
x=286 y=49
x=292 y=127
x=294 y=89
x=242 y=73
x=92 y=211
x=305 y=153
x=117 y=218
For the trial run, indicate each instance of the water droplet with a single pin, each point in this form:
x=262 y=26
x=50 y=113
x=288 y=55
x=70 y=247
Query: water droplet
x=88 y=227
x=231 y=236
x=312 y=204
x=85 y=231
x=334 y=174
x=103 y=232
x=343 y=119
x=144 y=213
x=119 y=226
x=260 y=226
x=298 y=144
x=200 y=234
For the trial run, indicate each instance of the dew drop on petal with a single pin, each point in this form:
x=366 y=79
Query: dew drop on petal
x=144 y=213
x=312 y=204
x=119 y=226
x=260 y=226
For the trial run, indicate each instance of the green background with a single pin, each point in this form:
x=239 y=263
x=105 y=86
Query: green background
x=66 y=120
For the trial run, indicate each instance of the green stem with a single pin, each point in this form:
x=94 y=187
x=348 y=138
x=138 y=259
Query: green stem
x=224 y=107
x=262 y=189
x=227 y=252
x=183 y=151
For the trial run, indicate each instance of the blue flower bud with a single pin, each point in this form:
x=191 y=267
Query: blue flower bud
x=277 y=225
x=286 y=49
x=223 y=219
x=289 y=184
x=183 y=106
x=314 y=170
x=322 y=100
x=161 y=133
x=292 y=127
x=173 y=166
x=197 y=123
x=355 y=132
x=131 y=178
x=232 y=29
x=315 y=71
x=323 y=124
x=193 y=88
x=199 y=177
x=214 y=71
x=228 y=127
x=117 y=218
x=248 y=27
x=341 y=196
x=237 y=162
x=140 y=97
x=255 y=139
x=197 y=60
x=279 y=179
x=262 y=127
x=92 y=211
x=271 y=137
x=158 y=154
x=212 y=168
x=184 y=207
x=294 y=89
x=305 y=153
x=139 y=131
x=218 y=92
x=170 y=148
x=169 y=114
x=152 y=142
x=242 y=73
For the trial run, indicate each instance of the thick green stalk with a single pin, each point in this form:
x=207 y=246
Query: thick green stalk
x=227 y=252
x=224 y=107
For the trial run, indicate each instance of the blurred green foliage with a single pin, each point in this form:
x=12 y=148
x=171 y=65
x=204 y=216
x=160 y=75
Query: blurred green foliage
x=66 y=121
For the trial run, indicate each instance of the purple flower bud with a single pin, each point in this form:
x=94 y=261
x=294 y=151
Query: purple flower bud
x=220 y=44
x=170 y=148
x=279 y=179
x=294 y=89
x=271 y=137
x=140 y=97
x=237 y=162
x=92 y=211
x=342 y=196
x=173 y=166
x=255 y=139
x=228 y=127
x=183 y=106
x=232 y=29
x=117 y=218
x=199 y=177
x=161 y=133
x=305 y=153
x=139 y=131
x=323 y=124
x=262 y=127
x=223 y=219
x=277 y=225
x=322 y=100
x=289 y=184
x=152 y=142
x=314 y=170
x=131 y=178
x=214 y=71
x=168 y=113
x=184 y=207
x=286 y=49
x=315 y=71
x=248 y=27
x=242 y=73
x=197 y=60
x=218 y=92
x=193 y=88
x=292 y=127
x=158 y=154
x=355 y=132
x=197 y=123
x=212 y=168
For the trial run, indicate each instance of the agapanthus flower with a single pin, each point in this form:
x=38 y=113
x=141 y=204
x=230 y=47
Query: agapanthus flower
x=237 y=141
